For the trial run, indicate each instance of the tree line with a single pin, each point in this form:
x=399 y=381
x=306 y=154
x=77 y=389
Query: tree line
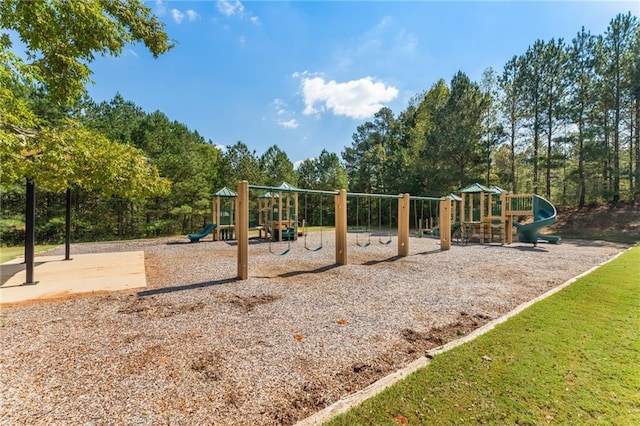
x=560 y=119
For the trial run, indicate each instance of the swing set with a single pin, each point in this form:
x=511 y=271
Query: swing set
x=424 y=225
x=280 y=222
x=368 y=228
x=305 y=223
x=340 y=221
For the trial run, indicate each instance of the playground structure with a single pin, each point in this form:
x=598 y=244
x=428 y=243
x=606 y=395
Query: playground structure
x=487 y=214
x=223 y=218
x=277 y=213
x=209 y=228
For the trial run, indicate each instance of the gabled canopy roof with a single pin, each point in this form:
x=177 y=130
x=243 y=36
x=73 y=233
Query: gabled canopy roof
x=454 y=197
x=476 y=188
x=225 y=192
x=269 y=194
x=286 y=186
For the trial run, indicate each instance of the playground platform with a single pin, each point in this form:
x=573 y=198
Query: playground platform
x=59 y=278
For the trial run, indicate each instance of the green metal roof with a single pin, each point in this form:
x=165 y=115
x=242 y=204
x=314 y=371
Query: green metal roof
x=476 y=188
x=286 y=186
x=225 y=192
x=268 y=194
x=454 y=197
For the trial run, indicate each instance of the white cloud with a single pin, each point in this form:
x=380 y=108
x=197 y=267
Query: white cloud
x=284 y=115
x=177 y=15
x=357 y=99
x=280 y=106
x=221 y=148
x=132 y=53
x=192 y=15
x=289 y=124
x=230 y=8
x=255 y=20
x=161 y=8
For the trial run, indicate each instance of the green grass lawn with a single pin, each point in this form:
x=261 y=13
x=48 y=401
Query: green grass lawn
x=573 y=358
x=9 y=253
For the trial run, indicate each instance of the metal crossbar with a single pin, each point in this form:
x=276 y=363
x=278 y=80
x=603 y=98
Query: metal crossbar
x=300 y=191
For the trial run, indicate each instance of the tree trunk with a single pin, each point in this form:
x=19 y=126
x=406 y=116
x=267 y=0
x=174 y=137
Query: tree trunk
x=607 y=159
x=616 y=132
x=632 y=131
x=536 y=149
x=514 y=187
x=637 y=194
x=548 y=159
x=581 y=180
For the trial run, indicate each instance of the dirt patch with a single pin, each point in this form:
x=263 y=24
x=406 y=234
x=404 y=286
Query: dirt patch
x=248 y=303
x=599 y=221
x=438 y=336
x=149 y=307
x=207 y=365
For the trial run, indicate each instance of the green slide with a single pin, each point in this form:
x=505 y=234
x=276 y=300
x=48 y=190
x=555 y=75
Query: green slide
x=195 y=238
x=544 y=215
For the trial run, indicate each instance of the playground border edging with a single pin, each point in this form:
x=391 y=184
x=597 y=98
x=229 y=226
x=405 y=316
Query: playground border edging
x=350 y=401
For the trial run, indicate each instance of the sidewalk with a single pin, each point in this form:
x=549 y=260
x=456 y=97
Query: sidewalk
x=84 y=273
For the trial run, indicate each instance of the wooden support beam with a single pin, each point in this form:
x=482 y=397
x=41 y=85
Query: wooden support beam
x=242 y=231
x=403 y=225
x=445 y=223
x=216 y=219
x=341 y=227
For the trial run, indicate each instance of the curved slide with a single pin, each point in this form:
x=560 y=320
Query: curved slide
x=544 y=215
x=195 y=238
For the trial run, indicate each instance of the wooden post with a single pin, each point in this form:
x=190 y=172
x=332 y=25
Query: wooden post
x=462 y=209
x=280 y=217
x=508 y=218
x=242 y=207
x=295 y=210
x=217 y=218
x=472 y=202
x=403 y=225
x=341 y=227
x=213 y=210
x=445 y=223
x=453 y=210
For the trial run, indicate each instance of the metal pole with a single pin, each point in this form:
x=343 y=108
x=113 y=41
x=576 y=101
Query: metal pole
x=30 y=235
x=67 y=230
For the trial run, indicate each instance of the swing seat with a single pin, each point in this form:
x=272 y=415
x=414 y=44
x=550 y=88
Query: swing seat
x=367 y=244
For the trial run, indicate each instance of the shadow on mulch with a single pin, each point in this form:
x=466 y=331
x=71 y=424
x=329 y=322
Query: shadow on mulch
x=309 y=271
x=376 y=262
x=165 y=290
x=175 y=243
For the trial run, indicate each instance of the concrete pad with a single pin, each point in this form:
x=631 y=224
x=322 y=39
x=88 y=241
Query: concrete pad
x=84 y=273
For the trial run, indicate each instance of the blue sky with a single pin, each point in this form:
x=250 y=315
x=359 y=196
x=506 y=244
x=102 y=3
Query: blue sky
x=304 y=75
